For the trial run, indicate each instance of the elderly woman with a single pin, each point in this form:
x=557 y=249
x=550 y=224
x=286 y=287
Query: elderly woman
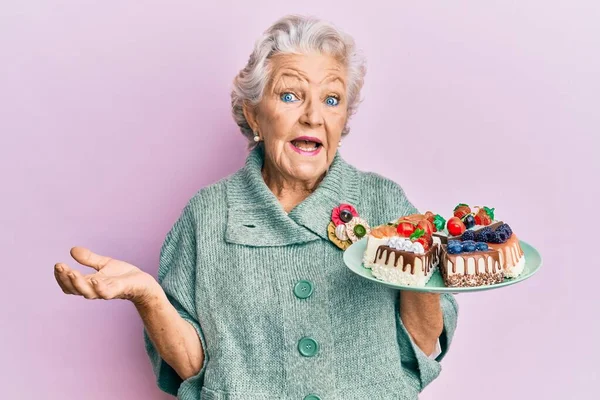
x=253 y=300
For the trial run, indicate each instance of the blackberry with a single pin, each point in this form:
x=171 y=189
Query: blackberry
x=502 y=235
x=487 y=229
x=493 y=237
x=505 y=228
x=483 y=234
x=468 y=235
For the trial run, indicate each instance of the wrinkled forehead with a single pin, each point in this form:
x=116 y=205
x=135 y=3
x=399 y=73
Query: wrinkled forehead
x=307 y=69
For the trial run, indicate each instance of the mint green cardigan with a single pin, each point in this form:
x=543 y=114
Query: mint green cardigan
x=230 y=266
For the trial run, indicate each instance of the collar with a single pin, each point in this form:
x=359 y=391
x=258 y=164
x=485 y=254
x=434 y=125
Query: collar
x=256 y=218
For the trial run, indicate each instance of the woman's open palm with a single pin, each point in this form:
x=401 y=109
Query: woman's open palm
x=112 y=279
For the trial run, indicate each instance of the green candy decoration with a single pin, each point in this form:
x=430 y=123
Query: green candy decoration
x=360 y=231
x=439 y=222
x=489 y=211
x=417 y=234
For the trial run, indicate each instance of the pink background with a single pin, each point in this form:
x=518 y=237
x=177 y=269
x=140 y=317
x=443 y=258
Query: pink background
x=113 y=114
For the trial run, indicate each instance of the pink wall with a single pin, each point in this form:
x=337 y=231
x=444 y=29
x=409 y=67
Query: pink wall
x=113 y=114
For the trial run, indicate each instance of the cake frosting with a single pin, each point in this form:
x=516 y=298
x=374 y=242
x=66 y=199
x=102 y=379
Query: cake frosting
x=511 y=255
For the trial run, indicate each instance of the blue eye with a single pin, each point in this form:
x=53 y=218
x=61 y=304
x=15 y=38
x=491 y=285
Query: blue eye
x=288 y=97
x=332 y=101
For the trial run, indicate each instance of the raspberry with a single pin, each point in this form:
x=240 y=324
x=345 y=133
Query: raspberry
x=468 y=235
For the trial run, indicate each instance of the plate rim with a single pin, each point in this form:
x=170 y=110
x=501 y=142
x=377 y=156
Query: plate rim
x=437 y=289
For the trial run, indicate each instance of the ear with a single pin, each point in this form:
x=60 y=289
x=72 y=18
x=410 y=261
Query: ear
x=250 y=114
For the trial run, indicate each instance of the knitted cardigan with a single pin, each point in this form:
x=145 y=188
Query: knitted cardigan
x=230 y=264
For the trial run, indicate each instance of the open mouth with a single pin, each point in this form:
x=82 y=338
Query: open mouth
x=306 y=145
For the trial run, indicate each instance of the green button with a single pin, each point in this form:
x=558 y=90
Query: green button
x=303 y=289
x=312 y=397
x=308 y=347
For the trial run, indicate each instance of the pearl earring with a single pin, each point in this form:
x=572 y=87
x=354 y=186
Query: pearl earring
x=340 y=143
x=256 y=137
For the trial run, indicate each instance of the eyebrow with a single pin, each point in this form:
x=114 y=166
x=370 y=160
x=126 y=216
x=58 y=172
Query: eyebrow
x=301 y=77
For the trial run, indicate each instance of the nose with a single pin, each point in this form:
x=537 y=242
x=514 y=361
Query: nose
x=313 y=112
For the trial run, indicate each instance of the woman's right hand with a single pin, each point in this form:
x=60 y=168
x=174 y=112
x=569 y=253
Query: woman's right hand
x=112 y=279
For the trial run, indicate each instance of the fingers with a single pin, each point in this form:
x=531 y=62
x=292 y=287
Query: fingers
x=106 y=288
x=86 y=257
x=60 y=274
x=82 y=285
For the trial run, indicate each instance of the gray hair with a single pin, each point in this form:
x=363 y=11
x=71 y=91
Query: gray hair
x=295 y=34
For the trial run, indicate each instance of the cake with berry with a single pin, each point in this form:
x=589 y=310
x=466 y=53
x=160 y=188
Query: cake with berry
x=466 y=235
x=469 y=263
x=403 y=251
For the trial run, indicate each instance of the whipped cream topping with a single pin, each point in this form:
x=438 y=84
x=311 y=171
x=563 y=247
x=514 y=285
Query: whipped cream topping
x=404 y=244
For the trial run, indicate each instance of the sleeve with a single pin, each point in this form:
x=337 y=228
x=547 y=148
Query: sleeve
x=177 y=277
x=414 y=361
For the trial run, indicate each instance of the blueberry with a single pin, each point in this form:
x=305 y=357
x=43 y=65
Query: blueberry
x=482 y=247
x=469 y=221
x=453 y=243
x=470 y=246
x=468 y=235
x=455 y=249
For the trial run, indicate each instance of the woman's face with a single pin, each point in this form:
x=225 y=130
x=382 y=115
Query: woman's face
x=302 y=114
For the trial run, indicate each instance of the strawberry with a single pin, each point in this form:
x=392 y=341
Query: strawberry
x=429 y=216
x=455 y=226
x=461 y=210
x=419 y=235
x=424 y=241
x=405 y=229
x=485 y=216
x=426 y=225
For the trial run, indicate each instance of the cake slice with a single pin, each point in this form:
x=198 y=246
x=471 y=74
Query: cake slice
x=469 y=264
x=404 y=262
